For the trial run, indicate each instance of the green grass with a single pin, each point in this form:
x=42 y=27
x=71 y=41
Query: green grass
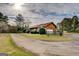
x=56 y=38
x=8 y=46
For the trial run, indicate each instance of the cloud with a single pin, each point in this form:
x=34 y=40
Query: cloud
x=42 y=12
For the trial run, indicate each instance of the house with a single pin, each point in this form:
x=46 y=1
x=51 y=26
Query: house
x=50 y=26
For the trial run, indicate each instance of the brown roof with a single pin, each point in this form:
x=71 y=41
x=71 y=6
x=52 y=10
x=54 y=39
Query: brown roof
x=44 y=24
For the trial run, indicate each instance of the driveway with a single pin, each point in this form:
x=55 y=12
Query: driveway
x=75 y=36
x=44 y=48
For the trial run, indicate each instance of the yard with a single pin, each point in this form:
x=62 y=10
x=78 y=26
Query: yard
x=8 y=47
x=54 y=38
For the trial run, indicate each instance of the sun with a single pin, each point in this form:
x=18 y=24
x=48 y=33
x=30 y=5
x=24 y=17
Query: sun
x=18 y=6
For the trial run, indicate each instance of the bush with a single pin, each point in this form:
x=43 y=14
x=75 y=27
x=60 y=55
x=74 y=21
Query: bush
x=42 y=31
x=75 y=31
x=21 y=29
x=34 y=31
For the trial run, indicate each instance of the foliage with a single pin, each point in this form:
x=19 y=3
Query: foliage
x=22 y=25
x=3 y=17
x=66 y=24
x=74 y=22
x=19 y=22
x=70 y=24
x=19 y=18
x=42 y=31
x=34 y=31
x=3 y=23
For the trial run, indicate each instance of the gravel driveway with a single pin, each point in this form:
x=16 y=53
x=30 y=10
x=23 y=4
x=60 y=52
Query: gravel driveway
x=43 y=48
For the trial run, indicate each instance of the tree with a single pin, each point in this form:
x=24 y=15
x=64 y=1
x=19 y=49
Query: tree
x=3 y=23
x=19 y=22
x=74 y=22
x=3 y=17
x=23 y=25
x=19 y=18
x=66 y=24
x=60 y=28
x=27 y=24
x=70 y=24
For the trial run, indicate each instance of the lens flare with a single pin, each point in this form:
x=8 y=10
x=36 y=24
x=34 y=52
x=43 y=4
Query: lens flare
x=18 y=6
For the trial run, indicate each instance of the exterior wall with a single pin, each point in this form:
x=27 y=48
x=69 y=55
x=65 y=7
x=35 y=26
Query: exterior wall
x=51 y=26
x=47 y=26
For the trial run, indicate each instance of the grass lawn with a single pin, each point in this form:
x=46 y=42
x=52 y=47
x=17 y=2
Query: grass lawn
x=47 y=38
x=7 y=46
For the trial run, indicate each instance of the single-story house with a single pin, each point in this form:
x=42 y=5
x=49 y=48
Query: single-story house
x=50 y=26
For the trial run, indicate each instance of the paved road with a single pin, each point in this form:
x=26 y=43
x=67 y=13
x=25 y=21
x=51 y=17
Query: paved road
x=3 y=54
x=44 y=48
x=75 y=36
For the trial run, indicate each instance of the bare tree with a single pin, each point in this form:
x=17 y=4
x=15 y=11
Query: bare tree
x=19 y=20
x=27 y=25
x=22 y=23
x=28 y=22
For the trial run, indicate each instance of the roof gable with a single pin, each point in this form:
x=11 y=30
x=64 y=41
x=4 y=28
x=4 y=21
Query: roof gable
x=45 y=24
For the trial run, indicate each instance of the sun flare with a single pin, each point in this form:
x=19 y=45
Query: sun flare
x=18 y=6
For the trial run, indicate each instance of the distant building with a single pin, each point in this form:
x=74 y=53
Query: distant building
x=50 y=26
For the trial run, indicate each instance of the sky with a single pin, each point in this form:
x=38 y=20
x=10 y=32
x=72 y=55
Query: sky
x=39 y=13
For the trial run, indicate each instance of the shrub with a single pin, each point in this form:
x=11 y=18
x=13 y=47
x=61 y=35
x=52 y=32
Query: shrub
x=34 y=31
x=42 y=31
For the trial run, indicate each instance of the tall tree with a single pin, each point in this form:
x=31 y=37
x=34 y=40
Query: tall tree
x=70 y=24
x=22 y=24
x=66 y=24
x=74 y=22
x=3 y=17
x=20 y=20
x=3 y=23
x=27 y=23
